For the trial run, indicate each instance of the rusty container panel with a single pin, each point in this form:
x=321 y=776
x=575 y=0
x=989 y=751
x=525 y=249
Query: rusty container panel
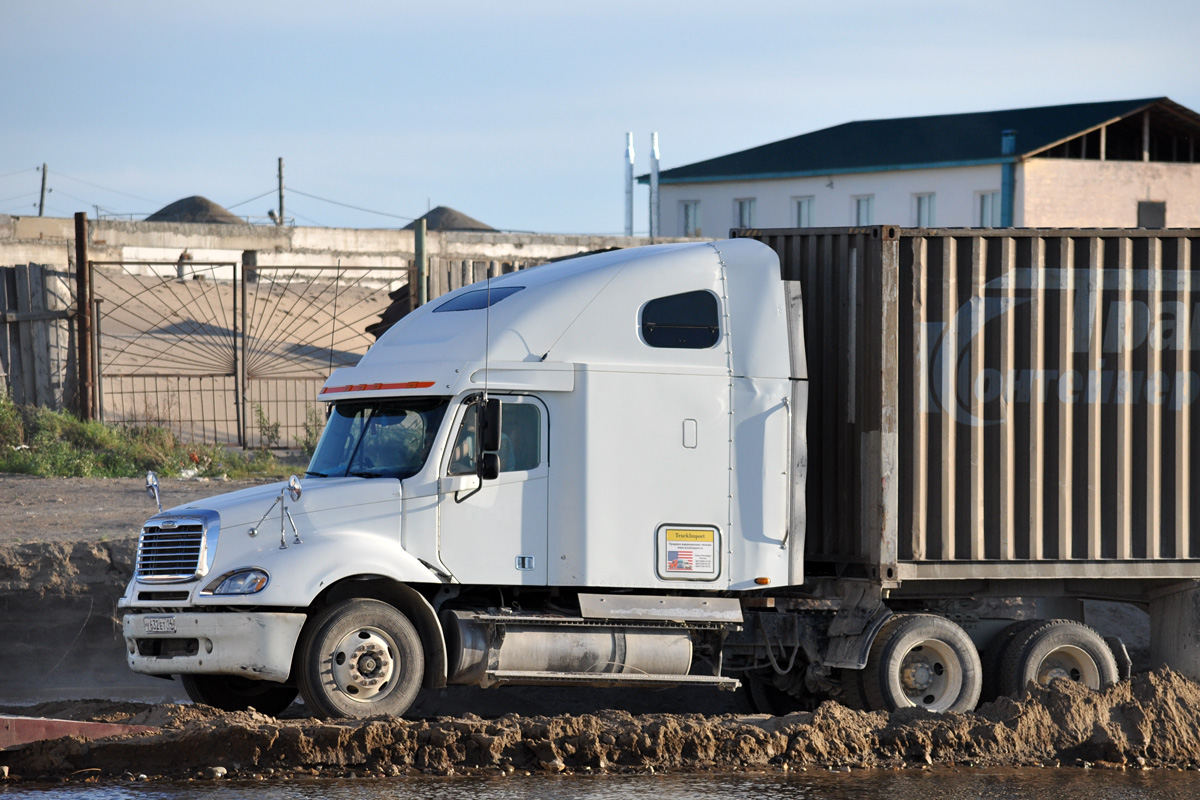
x=1002 y=403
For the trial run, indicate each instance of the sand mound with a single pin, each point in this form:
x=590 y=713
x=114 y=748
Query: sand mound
x=1153 y=720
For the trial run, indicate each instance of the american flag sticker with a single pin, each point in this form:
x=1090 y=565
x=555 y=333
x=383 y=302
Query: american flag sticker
x=690 y=551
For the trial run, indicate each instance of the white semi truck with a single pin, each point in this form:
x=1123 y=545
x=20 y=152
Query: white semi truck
x=824 y=466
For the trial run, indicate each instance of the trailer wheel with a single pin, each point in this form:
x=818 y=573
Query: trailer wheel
x=1057 y=648
x=360 y=658
x=235 y=693
x=993 y=656
x=922 y=660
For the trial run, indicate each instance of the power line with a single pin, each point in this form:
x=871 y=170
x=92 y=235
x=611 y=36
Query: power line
x=347 y=205
x=306 y=219
x=17 y=197
x=73 y=197
x=252 y=199
x=105 y=188
x=20 y=172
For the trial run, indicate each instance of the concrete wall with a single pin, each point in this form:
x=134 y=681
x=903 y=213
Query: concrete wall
x=1074 y=193
x=956 y=190
x=50 y=241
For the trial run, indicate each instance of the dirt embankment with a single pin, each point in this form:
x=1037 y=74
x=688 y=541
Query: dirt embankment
x=1153 y=720
x=67 y=550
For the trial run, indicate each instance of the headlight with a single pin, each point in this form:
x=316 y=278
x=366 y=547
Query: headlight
x=242 y=581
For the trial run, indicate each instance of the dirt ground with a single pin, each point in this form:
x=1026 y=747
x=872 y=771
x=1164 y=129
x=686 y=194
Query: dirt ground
x=67 y=549
x=90 y=509
x=1151 y=721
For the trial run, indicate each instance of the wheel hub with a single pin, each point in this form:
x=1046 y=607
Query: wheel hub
x=1070 y=663
x=917 y=676
x=362 y=664
x=927 y=676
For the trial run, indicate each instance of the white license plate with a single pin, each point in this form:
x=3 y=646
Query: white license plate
x=159 y=624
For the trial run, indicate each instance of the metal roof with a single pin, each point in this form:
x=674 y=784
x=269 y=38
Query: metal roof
x=945 y=140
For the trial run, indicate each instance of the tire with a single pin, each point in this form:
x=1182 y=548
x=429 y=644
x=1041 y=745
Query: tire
x=360 y=658
x=234 y=693
x=852 y=690
x=993 y=655
x=1057 y=648
x=922 y=660
x=766 y=698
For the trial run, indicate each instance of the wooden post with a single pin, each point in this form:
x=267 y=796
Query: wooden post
x=83 y=315
x=98 y=394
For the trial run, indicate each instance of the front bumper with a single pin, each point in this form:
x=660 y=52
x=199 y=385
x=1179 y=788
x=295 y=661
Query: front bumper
x=255 y=645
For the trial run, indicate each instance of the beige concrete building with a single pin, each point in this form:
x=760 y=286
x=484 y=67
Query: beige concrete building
x=1129 y=163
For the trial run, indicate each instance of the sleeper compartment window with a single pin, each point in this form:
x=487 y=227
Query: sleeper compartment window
x=689 y=321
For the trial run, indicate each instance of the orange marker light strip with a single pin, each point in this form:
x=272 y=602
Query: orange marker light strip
x=375 y=387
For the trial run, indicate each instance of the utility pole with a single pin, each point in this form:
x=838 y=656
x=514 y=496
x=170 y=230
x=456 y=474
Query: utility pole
x=42 y=202
x=280 y=220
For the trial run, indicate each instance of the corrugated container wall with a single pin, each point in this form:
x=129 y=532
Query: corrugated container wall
x=1000 y=403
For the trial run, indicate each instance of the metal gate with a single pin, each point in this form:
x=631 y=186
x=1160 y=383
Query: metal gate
x=227 y=352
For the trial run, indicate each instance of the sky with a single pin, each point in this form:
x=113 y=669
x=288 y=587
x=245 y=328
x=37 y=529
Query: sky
x=514 y=113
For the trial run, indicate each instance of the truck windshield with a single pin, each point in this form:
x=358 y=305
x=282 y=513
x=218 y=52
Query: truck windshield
x=378 y=439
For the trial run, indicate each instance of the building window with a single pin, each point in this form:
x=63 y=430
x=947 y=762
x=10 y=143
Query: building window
x=1151 y=214
x=743 y=213
x=989 y=209
x=689 y=213
x=925 y=209
x=689 y=320
x=804 y=212
x=864 y=210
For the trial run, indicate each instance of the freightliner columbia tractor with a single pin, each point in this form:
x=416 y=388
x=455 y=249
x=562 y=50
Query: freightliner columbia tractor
x=875 y=465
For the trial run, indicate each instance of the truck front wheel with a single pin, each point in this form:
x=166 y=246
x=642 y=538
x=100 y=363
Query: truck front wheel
x=234 y=693
x=360 y=658
x=922 y=660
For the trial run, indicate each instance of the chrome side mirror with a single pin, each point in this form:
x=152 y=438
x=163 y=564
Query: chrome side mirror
x=152 y=489
x=294 y=488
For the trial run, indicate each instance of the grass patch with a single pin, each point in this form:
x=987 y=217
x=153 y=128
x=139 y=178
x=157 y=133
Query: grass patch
x=55 y=444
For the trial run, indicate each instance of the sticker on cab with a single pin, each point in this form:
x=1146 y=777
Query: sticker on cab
x=688 y=553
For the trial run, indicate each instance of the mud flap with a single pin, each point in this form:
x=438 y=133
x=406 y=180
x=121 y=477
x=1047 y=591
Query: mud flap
x=1121 y=654
x=849 y=651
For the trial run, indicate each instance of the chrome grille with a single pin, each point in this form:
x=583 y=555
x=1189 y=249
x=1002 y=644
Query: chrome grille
x=170 y=551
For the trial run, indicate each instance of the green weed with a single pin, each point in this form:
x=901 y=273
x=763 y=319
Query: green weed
x=38 y=441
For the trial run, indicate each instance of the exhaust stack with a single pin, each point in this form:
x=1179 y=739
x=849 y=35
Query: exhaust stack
x=654 y=185
x=629 y=183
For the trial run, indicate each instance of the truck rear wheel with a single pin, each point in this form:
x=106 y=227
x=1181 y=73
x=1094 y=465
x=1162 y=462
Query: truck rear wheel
x=1057 y=648
x=234 y=693
x=360 y=658
x=993 y=656
x=922 y=660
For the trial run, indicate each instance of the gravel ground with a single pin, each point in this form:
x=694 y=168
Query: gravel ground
x=91 y=509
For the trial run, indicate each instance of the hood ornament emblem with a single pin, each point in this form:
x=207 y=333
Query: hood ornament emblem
x=293 y=488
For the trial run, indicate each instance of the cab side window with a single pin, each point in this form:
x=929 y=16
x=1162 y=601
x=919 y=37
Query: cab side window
x=689 y=321
x=462 y=455
x=520 y=439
